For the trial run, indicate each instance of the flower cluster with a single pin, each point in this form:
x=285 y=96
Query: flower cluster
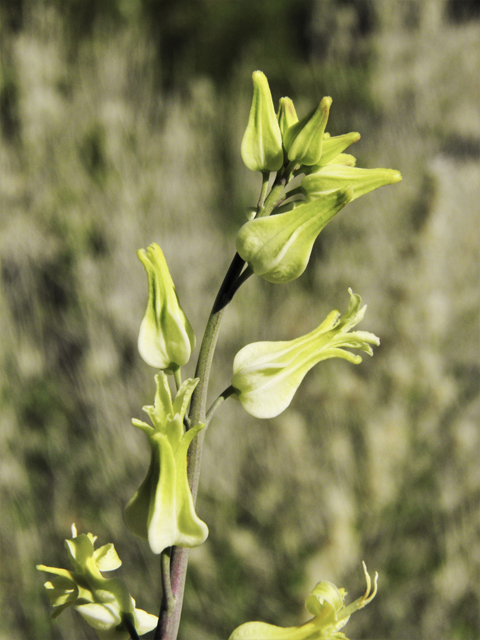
x=278 y=247
x=104 y=603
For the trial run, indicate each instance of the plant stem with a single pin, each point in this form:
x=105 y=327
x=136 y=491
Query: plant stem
x=177 y=375
x=169 y=618
x=130 y=627
x=168 y=596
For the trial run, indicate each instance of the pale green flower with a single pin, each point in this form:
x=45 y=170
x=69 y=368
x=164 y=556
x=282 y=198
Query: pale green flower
x=266 y=375
x=278 y=247
x=162 y=510
x=104 y=603
x=303 y=141
x=166 y=339
x=334 y=176
x=332 y=147
x=262 y=141
x=287 y=116
x=326 y=603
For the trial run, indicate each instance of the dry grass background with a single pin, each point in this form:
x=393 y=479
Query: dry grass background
x=377 y=462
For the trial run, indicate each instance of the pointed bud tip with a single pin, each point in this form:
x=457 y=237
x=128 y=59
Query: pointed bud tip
x=259 y=76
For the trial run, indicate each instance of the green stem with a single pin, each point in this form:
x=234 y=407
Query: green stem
x=169 y=618
x=177 y=375
x=221 y=399
x=263 y=193
x=276 y=195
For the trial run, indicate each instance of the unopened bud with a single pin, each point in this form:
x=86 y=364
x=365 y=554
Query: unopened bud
x=262 y=141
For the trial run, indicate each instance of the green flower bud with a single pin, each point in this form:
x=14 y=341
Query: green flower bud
x=326 y=603
x=104 y=603
x=166 y=339
x=334 y=176
x=333 y=146
x=162 y=510
x=266 y=375
x=262 y=141
x=303 y=141
x=287 y=116
x=278 y=247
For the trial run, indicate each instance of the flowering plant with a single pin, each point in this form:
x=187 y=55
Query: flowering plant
x=275 y=244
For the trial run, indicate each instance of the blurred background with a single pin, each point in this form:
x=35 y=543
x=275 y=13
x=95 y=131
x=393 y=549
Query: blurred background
x=120 y=125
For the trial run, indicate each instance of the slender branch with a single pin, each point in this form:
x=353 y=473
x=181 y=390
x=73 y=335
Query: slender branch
x=130 y=627
x=177 y=375
x=220 y=400
x=276 y=196
x=246 y=273
x=263 y=193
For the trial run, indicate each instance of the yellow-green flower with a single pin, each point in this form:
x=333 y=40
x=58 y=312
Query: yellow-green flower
x=332 y=147
x=266 y=375
x=162 y=510
x=287 y=116
x=303 y=141
x=326 y=603
x=333 y=176
x=262 y=141
x=104 y=603
x=166 y=339
x=278 y=247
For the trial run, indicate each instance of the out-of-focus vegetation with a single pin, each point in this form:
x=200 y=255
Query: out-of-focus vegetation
x=120 y=124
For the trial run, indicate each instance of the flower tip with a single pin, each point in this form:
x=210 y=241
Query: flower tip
x=259 y=79
x=326 y=102
x=74 y=530
x=368 y=597
x=142 y=255
x=396 y=177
